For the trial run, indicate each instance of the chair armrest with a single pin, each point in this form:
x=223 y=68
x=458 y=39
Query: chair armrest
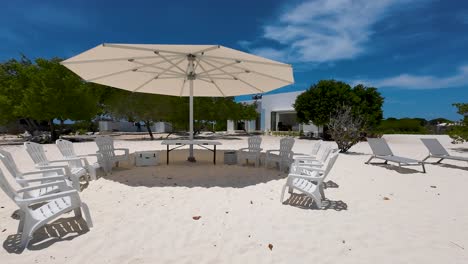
x=44 y=185
x=272 y=150
x=64 y=167
x=59 y=171
x=305 y=177
x=310 y=169
x=48 y=197
x=305 y=157
x=124 y=150
x=42 y=179
x=89 y=155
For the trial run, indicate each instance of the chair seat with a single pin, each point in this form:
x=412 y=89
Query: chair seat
x=53 y=207
x=450 y=157
x=399 y=159
x=304 y=185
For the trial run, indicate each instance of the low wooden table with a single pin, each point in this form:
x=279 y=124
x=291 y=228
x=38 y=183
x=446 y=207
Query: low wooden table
x=181 y=142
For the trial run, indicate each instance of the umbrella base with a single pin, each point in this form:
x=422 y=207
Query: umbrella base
x=191 y=159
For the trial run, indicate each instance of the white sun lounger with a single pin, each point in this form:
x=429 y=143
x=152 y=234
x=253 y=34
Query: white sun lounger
x=382 y=151
x=436 y=150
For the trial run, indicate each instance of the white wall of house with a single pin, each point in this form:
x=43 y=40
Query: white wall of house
x=282 y=106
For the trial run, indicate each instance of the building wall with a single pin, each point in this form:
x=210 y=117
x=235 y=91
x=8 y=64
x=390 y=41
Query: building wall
x=281 y=102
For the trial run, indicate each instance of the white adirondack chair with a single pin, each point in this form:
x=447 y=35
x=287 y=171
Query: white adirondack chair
x=309 y=180
x=253 y=151
x=73 y=166
x=109 y=157
x=316 y=148
x=68 y=152
x=25 y=178
x=35 y=212
x=284 y=155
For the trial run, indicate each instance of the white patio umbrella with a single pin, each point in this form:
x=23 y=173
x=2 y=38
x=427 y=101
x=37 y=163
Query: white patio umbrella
x=180 y=70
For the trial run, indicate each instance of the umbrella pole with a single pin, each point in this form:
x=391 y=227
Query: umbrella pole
x=191 y=158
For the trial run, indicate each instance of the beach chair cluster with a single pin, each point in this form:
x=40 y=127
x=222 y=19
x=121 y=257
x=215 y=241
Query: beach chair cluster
x=308 y=172
x=282 y=157
x=53 y=189
x=381 y=150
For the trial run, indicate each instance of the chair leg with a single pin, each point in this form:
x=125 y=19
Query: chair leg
x=367 y=162
x=77 y=212
x=426 y=158
x=92 y=172
x=21 y=222
x=87 y=215
x=282 y=193
x=424 y=168
x=438 y=162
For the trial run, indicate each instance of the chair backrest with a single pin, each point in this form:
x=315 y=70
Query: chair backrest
x=325 y=154
x=286 y=145
x=379 y=147
x=9 y=163
x=330 y=164
x=434 y=147
x=6 y=187
x=105 y=145
x=316 y=147
x=36 y=152
x=254 y=142
x=66 y=148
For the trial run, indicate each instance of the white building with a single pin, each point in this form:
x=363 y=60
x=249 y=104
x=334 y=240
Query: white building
x=276 y=114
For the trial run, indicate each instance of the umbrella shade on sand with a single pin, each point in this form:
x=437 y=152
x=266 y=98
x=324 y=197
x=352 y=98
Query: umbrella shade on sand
x=180 y=70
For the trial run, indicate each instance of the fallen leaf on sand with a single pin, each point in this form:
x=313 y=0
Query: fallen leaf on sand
x=270 y=246
x=386 y=198
x=196 y=217
x=251 y=202
x=3 y=230
x=433 y=186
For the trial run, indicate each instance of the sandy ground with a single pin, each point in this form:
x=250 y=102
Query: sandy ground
x=144 y=214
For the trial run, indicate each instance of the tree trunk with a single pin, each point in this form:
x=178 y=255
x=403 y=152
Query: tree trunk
x=53 y=134
x=148 y=127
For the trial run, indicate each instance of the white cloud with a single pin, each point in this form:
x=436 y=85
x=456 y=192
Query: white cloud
x=409 y=81
x=325 y=30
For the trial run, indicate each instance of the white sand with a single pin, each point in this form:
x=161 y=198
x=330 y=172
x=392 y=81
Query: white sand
x=144 y=215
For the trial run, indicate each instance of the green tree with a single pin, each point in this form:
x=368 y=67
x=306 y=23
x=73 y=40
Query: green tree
x=147 y=108
x=55 y=93
x=460 y=133
x=323 y=99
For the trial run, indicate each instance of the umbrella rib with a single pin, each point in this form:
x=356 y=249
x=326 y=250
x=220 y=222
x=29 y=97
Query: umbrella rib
x=249 y=61
x=207 y=49
x=113 y=59
x=156 y=67
x=256 y=72
x=157 y=76
x=213 y=82
x=166 y=74
x=169 y=61
x=141 y=48
x=182 y=88
x=120 y=72
x=220 y=67
x=218 y=74
x=237 y=78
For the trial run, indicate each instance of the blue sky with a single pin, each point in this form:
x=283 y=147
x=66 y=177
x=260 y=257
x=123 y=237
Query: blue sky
x=415 y=52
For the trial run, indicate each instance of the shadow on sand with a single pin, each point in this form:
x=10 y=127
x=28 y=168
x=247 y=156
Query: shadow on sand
x=62 y=229
x=200 y=176
x=402 y=170
x=304 y=202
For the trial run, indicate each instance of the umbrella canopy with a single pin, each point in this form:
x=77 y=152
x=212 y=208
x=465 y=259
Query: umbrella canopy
x=180 y=70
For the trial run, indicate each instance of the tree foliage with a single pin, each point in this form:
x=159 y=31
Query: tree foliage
x=460 y=133
x=323 y=99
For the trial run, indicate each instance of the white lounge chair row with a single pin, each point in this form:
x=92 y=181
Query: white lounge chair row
x=53 y=189
x=382 y=151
